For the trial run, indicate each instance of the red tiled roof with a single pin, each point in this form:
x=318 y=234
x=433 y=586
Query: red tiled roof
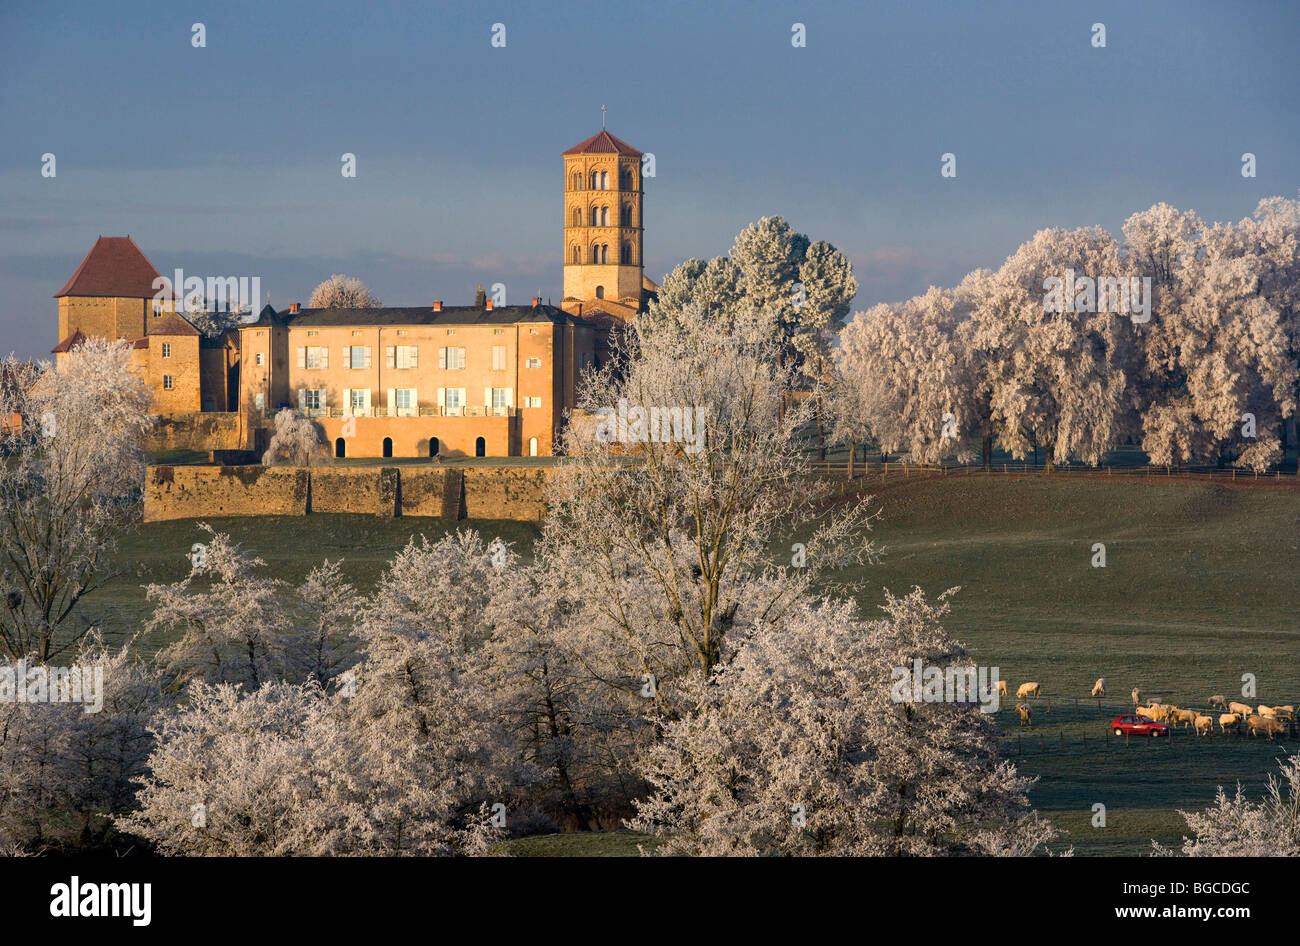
x=113 y=267
x=603 y=143
x=172 y=324
x=69 y=343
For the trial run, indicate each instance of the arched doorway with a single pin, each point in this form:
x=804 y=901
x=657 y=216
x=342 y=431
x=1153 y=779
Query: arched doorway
x=433 y=446
x=340 y=448
x=532 y=446
x=480 y=447
x=388 y=446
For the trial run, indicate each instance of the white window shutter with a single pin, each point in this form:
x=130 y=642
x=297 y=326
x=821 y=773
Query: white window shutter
x=302 y=357
x=442 y=397
x=487 y=396
x=390 y=357
x=414 y=356
x=302 y=399
x=442 y=358
x=367 y=353
x=510 y=397
x=324 y=357
x=392 y=402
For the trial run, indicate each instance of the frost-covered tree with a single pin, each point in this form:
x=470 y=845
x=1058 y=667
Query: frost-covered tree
x=665 y=538
x=1238 y=827
x=227 y=618
x=65 y=772
x=296 y=441
x=798 y=747
x=69 y=482
x=343 y=292
x=1059 y=379
x=909 y=377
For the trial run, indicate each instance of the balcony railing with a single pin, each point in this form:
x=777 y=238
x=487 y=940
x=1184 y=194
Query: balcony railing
x=422 y=411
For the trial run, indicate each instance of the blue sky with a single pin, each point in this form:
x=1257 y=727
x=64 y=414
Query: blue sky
x=226 y=160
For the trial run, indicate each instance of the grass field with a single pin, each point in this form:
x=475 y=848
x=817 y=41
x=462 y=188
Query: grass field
x=1199 y=587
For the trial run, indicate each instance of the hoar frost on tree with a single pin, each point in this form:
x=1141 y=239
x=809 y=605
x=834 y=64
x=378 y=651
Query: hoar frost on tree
x=70 y=481
x=343 y=292
x=1238 y=827
x=296 y=441
x=798 y=747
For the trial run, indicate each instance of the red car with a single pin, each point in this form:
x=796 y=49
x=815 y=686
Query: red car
x=1138 y=725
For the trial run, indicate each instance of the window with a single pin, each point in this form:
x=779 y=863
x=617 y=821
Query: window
x=532 y=402
x=532 y=331
x=259 y=359
x=604 y=180
x=309 y=334
x=359 y=402
x=167 y=350
x=600 y=292
x=498 y=357
x=402 y=356
x=577 y=182
x=577 y=217
x=532 y=446
x=604 y=216
x=340 y=448
x=259 y=401
x=313 y=398
x=401 y=332
x=451 y=359
x=594 y=217
x=314 y=357
x=356 y=334
x=534 y=362
x=627 y=253
x=500 y=398
x=388 y=446
x=480 y=447
x=577 y=255
x=451 y=331
x=157 y=308
x=604 y=252
x=359 y=356
x=498 y=331
x=451 y=400
x=405 y=402
x=167 y=382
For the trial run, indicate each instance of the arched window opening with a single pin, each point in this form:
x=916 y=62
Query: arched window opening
x=577 y=256
x=577 y=216
x=433 y=446
x=600 y=292
x=627 y=253
x=532 y=446
x=604 y=252
x=388 y=446
x=480 y=447
x=604 y=216
x=340 y=448
x=604 y=180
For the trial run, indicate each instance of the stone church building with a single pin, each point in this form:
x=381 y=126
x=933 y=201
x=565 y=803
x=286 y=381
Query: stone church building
x=407 y=381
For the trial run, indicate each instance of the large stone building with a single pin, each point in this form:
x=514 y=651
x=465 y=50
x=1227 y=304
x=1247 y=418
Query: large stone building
x=473 y=380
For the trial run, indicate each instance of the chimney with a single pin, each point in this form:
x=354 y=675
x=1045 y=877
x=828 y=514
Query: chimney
x=437 y=305
x=293 y=307
x=537 y=300
x=487 y=304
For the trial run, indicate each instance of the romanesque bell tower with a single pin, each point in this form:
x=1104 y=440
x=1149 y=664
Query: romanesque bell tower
x=603 y=235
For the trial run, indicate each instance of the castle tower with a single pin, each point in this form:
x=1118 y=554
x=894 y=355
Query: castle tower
x=603 y=236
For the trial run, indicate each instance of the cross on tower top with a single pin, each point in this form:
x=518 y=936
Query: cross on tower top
x=602 y=117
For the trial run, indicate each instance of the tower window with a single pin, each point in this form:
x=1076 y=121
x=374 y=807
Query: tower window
x=600 y=292
x=604 y=216
x=594 y=218
x=577 y=182
x=595 y=180
x=604 y=252
x=576 y=255
x=627 y=253
x=577 y=217
x=604 y=180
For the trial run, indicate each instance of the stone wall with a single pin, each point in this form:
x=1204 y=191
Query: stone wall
x=199 y=431
x=196 y=492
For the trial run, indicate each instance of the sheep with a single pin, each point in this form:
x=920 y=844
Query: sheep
x=1230 y=719
x=1099 y=688
x=1241 y=708
x=1204 y=725
x=1023 y=710
x=1137 y=696
x=1154 y=713
x=1002 y=688
x=1026 y=690
x=1265 y=724
x=1219 y=701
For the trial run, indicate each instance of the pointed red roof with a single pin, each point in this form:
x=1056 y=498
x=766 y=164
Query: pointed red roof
x=113 y=267
x=69 y=343
x=603 y=143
